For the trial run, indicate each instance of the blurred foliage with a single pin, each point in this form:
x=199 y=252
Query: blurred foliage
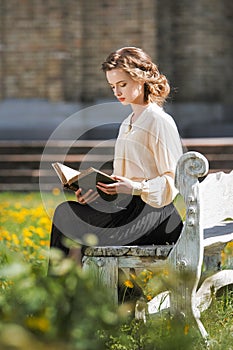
x=66 y=307
x=67 y=310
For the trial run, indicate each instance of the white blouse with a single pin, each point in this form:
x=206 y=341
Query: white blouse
x=148 y=153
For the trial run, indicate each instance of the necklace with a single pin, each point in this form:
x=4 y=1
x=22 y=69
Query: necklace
x=131 y=122
x=133 y=118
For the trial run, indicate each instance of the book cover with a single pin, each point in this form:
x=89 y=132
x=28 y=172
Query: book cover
x=85 y=179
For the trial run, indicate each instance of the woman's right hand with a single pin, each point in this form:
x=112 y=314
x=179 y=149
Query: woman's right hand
x=87 y=197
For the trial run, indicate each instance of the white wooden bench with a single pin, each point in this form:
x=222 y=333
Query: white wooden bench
x=203 y=237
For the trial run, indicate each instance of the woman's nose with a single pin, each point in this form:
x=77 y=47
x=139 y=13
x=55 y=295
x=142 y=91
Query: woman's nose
x=118 y=91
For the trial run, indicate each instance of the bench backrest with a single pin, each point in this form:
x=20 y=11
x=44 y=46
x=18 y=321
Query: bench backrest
x=207 y=203
x=187 y=254
x=216 y=196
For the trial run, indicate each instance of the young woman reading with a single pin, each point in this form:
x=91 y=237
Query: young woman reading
x=146 y=153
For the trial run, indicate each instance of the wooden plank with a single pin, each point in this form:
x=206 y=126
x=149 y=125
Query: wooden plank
x=57 y=143
x=54 y=158
x=138 y=262
x=219 y=157
x=212 y=141
x=160 y=251
x=23 y=187
x=27 y=172
x=188 y=142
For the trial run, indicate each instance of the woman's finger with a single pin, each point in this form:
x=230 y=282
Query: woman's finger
x=88 y=197
x=92 y=197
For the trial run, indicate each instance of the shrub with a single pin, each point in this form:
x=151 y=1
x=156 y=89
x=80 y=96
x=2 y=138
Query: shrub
x=65 y=307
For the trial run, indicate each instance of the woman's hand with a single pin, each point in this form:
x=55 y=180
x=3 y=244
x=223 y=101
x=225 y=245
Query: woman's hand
x=123 y=185
x=87 y=197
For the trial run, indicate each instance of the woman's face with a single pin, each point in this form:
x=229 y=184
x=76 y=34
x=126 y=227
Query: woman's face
x=127 y=90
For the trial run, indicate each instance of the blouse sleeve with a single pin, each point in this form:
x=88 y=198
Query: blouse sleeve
x=166 y=147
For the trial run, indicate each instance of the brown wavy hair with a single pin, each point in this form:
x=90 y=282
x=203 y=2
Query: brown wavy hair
x=140 y=67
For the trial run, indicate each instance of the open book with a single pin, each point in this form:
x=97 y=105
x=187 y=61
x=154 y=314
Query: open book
x=85 y=179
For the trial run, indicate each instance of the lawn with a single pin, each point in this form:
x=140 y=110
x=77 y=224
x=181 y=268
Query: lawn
x=67 y=311
x=25 y=225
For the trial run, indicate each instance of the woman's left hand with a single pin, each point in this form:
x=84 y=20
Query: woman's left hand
x=123 y=185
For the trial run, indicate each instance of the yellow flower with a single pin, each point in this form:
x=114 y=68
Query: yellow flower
x=44 y=221
x=128 y=284
x=56 y=191
x=27 y=232
x=44 y=243
x=18 y=205
x=38 y=323
x=186 y=329
x=7 y=236
x=28 y=242
x=165 y=273
x=133 y=276
x=15 y=239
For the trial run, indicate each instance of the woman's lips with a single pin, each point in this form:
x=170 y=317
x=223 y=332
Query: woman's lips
x=121 y=99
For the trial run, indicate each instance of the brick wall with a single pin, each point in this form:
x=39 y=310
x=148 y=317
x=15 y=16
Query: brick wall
x=41 y=43
x=196 y=50
x=107 y=26
x=53 y=49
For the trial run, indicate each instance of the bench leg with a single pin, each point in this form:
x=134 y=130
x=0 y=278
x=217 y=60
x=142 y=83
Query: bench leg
x=105 y=271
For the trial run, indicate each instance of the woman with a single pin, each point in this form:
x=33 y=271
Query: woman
x=146 y=153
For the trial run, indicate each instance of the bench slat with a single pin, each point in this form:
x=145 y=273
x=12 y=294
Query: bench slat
x=159 y=251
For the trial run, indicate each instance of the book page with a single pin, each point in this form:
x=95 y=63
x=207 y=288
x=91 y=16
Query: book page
x=65 y=173
x=90 y=170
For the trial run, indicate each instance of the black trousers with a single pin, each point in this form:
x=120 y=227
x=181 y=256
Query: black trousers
x=128 y=221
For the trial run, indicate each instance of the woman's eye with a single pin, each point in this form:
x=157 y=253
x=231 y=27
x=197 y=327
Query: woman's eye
x=123 y=85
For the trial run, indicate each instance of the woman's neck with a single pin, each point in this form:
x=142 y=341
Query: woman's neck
x=137 y=110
